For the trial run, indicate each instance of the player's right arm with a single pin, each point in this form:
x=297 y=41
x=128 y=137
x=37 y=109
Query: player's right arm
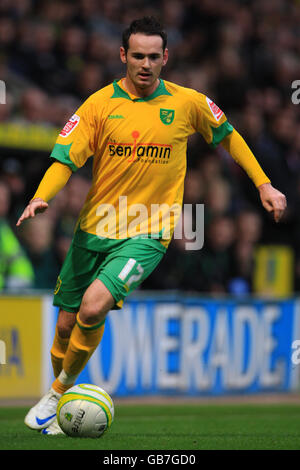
x=74 y=145
x=55 y=178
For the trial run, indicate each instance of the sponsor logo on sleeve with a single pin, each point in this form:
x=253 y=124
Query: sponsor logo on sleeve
x=70 y=126
x=216 y=111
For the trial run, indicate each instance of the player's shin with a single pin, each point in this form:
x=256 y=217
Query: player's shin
x=58 y=351
x=83 y=342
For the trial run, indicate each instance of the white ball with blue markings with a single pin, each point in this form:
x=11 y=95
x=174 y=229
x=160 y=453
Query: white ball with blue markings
x=85 y=410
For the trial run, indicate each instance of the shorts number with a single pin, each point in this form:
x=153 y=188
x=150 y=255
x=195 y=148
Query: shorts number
x=131 y=263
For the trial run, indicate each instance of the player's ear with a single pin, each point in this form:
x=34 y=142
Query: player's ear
x=165 y=56
x=123 y=55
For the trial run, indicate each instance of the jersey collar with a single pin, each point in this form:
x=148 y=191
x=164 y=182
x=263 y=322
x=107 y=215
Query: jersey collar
x=119 y=92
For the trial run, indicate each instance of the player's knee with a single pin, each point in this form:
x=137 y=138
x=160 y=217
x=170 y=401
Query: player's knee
x=65 y=324
x=90 y=313
x=96 y=303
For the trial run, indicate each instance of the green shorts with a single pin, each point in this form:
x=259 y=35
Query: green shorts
x=121 y=269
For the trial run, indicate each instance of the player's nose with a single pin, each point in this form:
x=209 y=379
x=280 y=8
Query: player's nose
x=146 y=63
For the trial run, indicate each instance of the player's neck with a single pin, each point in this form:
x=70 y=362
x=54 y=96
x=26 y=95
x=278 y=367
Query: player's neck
x=137 y=91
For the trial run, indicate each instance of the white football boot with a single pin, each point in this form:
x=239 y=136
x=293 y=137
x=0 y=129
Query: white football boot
x=43 y=413
x=53 y=429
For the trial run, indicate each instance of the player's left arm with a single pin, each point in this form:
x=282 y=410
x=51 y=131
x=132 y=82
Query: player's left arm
x=272 y=199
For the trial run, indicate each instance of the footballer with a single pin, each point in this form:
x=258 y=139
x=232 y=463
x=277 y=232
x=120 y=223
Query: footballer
x=136 y=130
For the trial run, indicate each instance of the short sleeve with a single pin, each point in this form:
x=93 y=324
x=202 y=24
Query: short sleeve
x=209 y=120
x=75 y=143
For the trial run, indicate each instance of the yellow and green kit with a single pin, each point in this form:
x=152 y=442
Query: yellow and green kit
x=139 y=148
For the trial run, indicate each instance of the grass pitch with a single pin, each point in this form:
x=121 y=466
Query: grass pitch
x=170 y=427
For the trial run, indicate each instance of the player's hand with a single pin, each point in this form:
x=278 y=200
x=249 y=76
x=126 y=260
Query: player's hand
x=272 y=200
x=35 y=206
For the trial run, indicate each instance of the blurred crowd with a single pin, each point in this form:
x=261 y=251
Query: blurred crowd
x=243 y=54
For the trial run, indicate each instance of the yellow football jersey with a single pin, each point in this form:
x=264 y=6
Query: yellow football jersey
x=138 y=147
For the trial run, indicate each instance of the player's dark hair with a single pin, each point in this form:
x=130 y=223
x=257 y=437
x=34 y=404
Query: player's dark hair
x=147 y=25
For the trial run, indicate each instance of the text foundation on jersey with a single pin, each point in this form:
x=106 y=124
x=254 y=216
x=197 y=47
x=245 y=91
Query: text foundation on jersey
x=159 y=221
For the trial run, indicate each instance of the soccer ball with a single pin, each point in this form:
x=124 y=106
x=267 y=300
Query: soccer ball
x=85 y=410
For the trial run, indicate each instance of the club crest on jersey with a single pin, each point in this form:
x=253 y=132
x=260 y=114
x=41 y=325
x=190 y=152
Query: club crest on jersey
x=216 y=111
x=167 y=116
x=70 y=125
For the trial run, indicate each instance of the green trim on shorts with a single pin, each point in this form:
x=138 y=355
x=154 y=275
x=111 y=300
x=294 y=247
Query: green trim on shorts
x=95 y=243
